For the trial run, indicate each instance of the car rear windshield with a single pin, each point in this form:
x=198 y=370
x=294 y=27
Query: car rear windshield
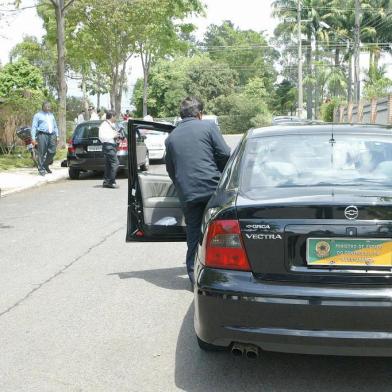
x=86 y=131
x=91 y=130
x=317 y=160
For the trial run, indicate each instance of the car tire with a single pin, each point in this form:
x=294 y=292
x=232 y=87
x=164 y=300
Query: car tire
x=209 y=347
x=73 y=173
x=145 y=166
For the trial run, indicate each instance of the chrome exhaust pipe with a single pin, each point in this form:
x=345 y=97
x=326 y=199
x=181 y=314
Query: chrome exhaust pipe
x=252 y=352
x=237 y=349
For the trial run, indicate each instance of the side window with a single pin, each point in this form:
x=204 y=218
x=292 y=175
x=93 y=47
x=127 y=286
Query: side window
x=228 y=180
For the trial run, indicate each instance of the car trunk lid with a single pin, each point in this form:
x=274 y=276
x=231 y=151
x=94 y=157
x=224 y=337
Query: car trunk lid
x=296 y=234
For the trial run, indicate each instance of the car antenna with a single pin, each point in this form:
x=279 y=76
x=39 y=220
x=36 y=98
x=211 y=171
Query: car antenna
x=332 y=142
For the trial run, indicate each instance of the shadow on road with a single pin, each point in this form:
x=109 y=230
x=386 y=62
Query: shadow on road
x=167 y=278
x=198 y=371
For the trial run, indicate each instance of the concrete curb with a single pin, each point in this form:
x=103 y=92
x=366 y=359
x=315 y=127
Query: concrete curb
x=20 y=180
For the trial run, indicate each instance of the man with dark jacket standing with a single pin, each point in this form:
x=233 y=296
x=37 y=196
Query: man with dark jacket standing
x=196 y=155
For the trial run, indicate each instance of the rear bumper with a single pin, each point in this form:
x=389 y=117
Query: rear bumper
x=233 y=306
x=94 y=164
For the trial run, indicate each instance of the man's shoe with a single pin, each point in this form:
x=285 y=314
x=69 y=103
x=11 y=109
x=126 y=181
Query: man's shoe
x=41 y=173
x=111 y=186
x=48 y=170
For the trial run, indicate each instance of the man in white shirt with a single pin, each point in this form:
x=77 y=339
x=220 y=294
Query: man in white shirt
x=93 y=114
x=108 y=135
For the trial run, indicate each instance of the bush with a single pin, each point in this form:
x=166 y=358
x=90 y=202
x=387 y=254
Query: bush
x=244 y=113
x=327 y=109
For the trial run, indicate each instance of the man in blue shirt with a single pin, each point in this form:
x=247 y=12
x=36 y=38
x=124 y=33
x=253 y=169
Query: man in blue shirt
x=44 y=133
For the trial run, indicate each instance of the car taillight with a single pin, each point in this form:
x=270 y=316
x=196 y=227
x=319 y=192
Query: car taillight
x=71 y=147
x=223 y=247
x=123 y=145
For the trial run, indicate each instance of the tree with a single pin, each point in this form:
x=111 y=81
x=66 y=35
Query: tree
x=22 y=92
x=285 y=98
x=245 y=51
x=41 y=55
x=171 y=81
x=20 y=77
x=160 y=32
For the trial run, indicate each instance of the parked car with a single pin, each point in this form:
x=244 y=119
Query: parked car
x=280 y=120
x=295 y=251
x=85 y=150
x=155 y=142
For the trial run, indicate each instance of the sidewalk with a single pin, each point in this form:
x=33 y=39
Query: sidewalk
x=17 y=180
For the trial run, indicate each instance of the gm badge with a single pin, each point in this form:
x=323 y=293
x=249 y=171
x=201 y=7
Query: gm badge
x=351 y=212
x=323 y=249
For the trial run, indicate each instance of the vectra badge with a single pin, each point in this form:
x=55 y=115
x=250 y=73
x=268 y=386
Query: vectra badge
x=263 y=236
x=351 y=212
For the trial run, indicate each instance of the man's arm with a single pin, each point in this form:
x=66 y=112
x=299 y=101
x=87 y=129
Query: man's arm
x=55 y=127
x=221 y=149
x=34 y=127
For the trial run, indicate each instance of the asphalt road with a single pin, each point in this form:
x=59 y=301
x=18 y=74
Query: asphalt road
x=81 y=310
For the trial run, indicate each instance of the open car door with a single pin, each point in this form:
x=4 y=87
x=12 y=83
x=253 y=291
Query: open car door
x=154 y=210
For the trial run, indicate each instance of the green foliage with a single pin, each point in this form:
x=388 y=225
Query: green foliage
x=172 y=81
x=238 y=113
x=285 y=98
x=245 y=51
x=74 y=106
x=20 y=76
x=377 y=84
x=328 y=108
x=41 y=55
x=21 y=87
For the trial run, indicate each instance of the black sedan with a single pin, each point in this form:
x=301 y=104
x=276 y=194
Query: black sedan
x=85 y=150
x=295 y=251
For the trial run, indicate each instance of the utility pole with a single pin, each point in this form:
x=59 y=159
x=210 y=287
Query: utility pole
x=300 y=76
x=357 y=40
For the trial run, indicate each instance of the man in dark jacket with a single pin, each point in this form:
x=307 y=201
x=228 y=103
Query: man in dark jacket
x=196 y=155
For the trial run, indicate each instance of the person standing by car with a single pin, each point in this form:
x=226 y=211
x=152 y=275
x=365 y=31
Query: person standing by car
x=93 y=114
x=196 y=155
x=108 y=135
x=44 y=133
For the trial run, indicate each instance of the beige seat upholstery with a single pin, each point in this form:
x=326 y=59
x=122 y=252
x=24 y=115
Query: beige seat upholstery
x=160 y=199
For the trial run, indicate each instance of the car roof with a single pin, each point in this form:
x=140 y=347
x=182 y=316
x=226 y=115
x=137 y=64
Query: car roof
x=305 y=129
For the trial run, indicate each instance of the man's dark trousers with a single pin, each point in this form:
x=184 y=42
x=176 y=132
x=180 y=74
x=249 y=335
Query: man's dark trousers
x=46 y=148
x=193 y=213
x=111 y=163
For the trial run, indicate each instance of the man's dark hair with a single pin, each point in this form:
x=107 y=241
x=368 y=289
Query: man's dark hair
x=191 y=107
x=110 y=114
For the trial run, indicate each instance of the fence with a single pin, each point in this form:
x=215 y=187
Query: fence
x=377 y=111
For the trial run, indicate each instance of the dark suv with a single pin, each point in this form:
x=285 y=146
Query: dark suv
x=85 y=150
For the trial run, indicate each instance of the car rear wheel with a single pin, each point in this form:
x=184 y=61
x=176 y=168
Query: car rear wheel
x=209 y=347
x=73 y=173
x=145 y=166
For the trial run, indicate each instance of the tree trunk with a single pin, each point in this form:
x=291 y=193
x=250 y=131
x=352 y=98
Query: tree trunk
x=309 y=87
x=62 y=97
x=316 y=87
x=350 y=78
x=145 y=93
x=85 y=99
x=98 y=100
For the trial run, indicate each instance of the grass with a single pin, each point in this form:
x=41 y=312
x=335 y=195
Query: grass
x=22 y=159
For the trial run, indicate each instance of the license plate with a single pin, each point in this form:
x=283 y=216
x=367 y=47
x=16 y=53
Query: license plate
x=94 y=148
x=349 y=252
